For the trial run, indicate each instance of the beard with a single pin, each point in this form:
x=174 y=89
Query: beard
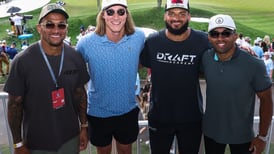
x=179 y=31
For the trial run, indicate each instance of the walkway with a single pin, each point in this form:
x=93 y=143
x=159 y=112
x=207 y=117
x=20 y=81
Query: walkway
x=25 y=5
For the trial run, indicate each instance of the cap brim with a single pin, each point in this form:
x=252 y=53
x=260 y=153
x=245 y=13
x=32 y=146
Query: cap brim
x=227 y=27
x=113 y=5
x=56 y=11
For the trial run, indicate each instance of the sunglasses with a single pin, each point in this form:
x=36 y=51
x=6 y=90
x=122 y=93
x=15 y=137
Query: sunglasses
x=215 y=34
x=120 y=12
x=50 y=25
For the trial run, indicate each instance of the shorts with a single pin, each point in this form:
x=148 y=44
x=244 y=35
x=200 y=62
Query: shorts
x=70 y=147
x=188 y=135
x=123 y=128
x=211 y=146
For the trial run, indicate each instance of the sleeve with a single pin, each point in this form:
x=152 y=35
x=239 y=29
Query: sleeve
x=15 y=83
x=84 y=75
x=145 y=56
x=261 y=80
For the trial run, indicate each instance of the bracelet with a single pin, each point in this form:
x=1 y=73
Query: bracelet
x=263 y=138
x=18 y=145
x=85 y=125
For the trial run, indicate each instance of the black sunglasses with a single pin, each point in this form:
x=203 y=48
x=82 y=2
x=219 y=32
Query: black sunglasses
x=50 y=25
x=120 y=12
x=225 y=33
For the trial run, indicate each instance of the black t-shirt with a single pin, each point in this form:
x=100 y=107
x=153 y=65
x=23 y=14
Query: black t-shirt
x=176 y=95
x=46 y=128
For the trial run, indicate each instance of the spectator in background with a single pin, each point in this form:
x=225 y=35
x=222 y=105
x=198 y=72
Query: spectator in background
x=138 y=88
x=257 y=49
x=4 y=59
x=12 y=50
x=17 y=19
x=268 y=63
x=266 y=39
x=264 y=46
x=247 y=42
x=24 y=45
x=240 y=40
x=272 y=44
x=13 y=29
x=82 y=33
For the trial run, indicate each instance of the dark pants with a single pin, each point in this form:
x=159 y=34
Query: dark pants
x=212 y=147
x=188 y=137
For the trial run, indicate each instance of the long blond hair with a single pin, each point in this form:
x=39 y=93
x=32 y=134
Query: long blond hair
x=101 y=24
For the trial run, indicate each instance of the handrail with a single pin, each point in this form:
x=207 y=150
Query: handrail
x=142 y=123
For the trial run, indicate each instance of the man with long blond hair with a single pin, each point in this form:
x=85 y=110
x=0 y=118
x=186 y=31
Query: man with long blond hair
x=112 y=53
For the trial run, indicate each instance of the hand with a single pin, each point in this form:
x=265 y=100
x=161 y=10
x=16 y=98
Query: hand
x=22 y=150
x=83 y=139
x=257 y=145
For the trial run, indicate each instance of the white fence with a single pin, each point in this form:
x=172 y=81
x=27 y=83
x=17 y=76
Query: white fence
x=142 y=123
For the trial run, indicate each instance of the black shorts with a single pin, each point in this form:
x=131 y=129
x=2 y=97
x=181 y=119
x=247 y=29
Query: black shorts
x=123 y=128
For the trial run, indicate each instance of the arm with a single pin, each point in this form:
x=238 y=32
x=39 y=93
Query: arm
x=82 y=95
x=270 y=74
x=15 y=117
x=265 y=113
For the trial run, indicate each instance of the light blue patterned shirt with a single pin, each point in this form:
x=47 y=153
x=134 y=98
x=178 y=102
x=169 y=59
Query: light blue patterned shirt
x=113 y=68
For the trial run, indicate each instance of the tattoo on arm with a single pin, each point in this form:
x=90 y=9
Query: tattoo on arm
x=82 y=108
x=15 y=117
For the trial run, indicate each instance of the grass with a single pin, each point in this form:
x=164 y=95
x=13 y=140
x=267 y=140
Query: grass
x=252 y=18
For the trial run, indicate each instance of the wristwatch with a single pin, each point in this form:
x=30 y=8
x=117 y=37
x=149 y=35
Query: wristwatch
x=263 y=138
x=18 y=145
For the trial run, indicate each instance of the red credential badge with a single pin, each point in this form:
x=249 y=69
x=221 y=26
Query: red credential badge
x=58 y=98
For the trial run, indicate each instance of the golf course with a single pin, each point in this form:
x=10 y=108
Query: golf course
x=253 y=18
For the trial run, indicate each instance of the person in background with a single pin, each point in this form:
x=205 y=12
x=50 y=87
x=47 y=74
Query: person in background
x=257 y=49
x=272 y=44
x=266 y=39
x=12 y=51
x=24 y=45
x=17 y=19
x=138 y=88
x=4 y=59
x=174 y=56
x=233 y=78
x=82 y=33
x=240 y=40
x=47 y=98
x=268 y=64
x=112 y=53
x=12 y=24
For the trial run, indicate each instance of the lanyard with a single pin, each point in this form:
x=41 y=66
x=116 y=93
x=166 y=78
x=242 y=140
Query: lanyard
x=49 y=66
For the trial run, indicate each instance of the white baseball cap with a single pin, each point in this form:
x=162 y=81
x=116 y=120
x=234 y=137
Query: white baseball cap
x=108 y=3
x=221 y=20
x=177 y=4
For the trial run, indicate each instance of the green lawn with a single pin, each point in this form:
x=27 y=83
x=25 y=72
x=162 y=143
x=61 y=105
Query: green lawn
x=253 y=18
